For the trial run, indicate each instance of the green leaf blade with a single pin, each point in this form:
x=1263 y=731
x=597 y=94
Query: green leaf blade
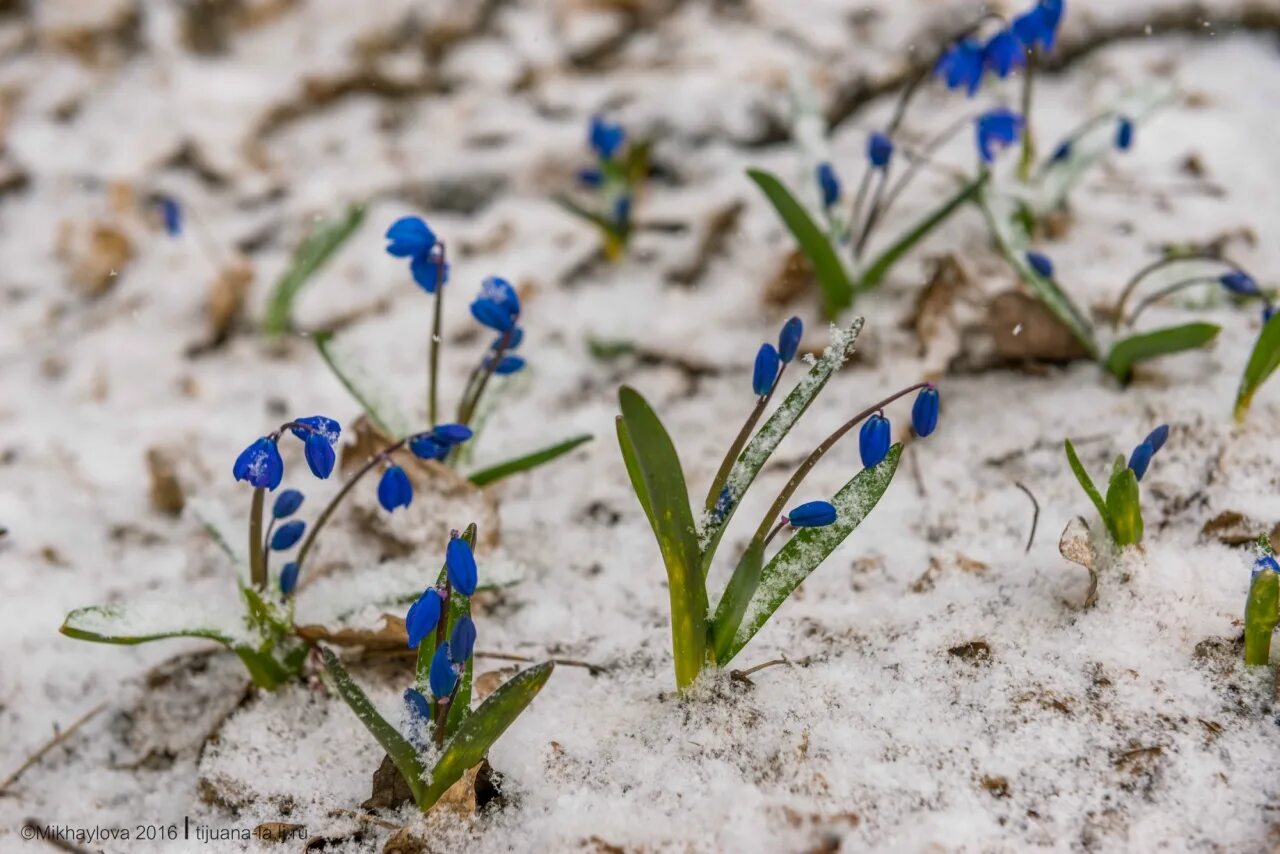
x=1124 y=507
x=1127 y=352
x=312 y=254
x=837 y=288
x=737 y=595
x=1263 y=361
x=1086 y=483
x=532 y=460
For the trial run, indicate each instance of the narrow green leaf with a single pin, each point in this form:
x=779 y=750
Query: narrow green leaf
x=1126 y=352
x=605 y=225
x=1013 y=242
x=485 y=726
x=808 y=547
x=1263 y=362
x=399 y=749
x=1086 y=483
x=733 y=604
x=345 y=375
x=308 y=258
x=633 y=469
x=775 y=429
x=116 y=624
x=528 y=461
x=1261 y=613
x=648 y=448
x=1124 y=507
x=879 y=268
x=837 y=289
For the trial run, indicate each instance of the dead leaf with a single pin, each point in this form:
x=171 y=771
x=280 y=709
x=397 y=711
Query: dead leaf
x=792 y=281
x=391 y=636
x=226 y=297
x=1074 y=545
x=974 y=652
x=97 y=253
x=491 y=680
x=166 y=492
x=934 y=307
x=390 y=790
x=1023 y=329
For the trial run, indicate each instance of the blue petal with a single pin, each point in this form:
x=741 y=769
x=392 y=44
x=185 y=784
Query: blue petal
x=418 y=705
x=828 y=183
x=287 y=503
x=462 y=641
x=814 y=514
x=410 y=238
x=288 y=578
x=996 y=129
x=427 y=447
x=873 y=440
x=606 y=137
x=509 y=365
x=1239 y=282
x=924 y=412
x=492 y=315
x=1157 y=437
x=322 y=424
x=879 y=149
x=789 y=339
x=260 y=465
x=425 y=270
x=287 y=535
x=1041 y=264
x=591 y=177
x=460 y=564
x=171 y=212
x=394 y=490
x=422 y=617
x=766 y=370
x=1124 y=134
x=1141 y=458
x=1004 y=53
x=441 y=677
x=451 y=434
x=320 y=456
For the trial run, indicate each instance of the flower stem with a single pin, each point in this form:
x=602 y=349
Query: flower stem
x=1182 y=284
x=731 y=456
x=257 y=566
x=437 y=314
x=1160 y=264
x=1028 y=138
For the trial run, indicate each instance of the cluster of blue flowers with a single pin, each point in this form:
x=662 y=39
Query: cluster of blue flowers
x=395 y=489
x=410 y=237
x=606 y=139
x=770 y=360
x=875 y=438
x=260 y=464
x=964 y=63
x=424 y=617
x=1140 y=459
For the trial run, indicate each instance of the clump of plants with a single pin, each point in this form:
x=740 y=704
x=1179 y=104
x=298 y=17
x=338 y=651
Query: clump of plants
x=1121 y=509
x=706 y=634
x=609 y=187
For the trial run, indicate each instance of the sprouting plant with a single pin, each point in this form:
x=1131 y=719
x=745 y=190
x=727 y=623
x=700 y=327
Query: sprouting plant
x=441 y=737
x=497 y=308
x=1262 y=608
x=615 y=179
x=263 y=633
x=704 y=635
x=1121 y=510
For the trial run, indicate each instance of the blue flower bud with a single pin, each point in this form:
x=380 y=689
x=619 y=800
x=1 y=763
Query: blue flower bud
x=814 y=514
x=287 y=503
x=260 y=465
x=410 y=238
x=789 y=339
x=590 y=177
x=460 y=564
x=427 y=272
x=171 y=213
x=961 y=66
x=1239 y=283
x=289 y=578
x=1041 y=264
x=766 y=370
x=996 y=129
x=287 y=535
x=879 y=149
x=422 y=616
x=441 y=677
x=509 y=365
x=1140 y=459
x=417 y=704
x=327 y=427
x=605 y=137
x=498 y=290
x=1124 y=134
x=427 y=447
x=492 y=315
x=451 y=434
x=394 y=490
x=320 y=456
x=924 y=412
x=512 y=338
x=462 y=641
x=1156 y=438
x=1063 y=151
x=873 y=440
x=828 y=183
x=1003 y=53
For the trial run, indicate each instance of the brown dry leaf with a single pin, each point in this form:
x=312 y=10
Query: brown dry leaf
x=166 y=492
x=1074 y=546
x=491 y=680
x=391 y=636
x=934 y=308
x=792 y=280
x=1023 y=329
x=389 y=788
x=226 y=297
x=96 y=254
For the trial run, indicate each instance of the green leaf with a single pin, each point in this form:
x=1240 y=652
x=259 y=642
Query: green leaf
x=880 y=267
x=810 y=546
x=485 y=726
x=603 y=223
x=775 y=429
x=1261 y=613
x=659 y=481
x=400 y=750
x=733 y=604
x=308 y=258
x=345 y=375
x=1013 y=242
x=1086 y=483
x=837 y=289
x=1124 y=507
x=529 y=461
x=1263 y=362
x=1149 y=345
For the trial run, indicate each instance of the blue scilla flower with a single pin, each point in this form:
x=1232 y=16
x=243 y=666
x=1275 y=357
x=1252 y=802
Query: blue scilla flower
x=606 y=137
x=1041 y=264
x=410 y=237
x=171 y=213
x=1157 y=437
x=451 y=434
x=427 y=447
x=509 y=365
x=394 y=490
x=441 y=677
x=1141 y=458
x=321 y=424
x=828 y=184
x=260 y=465
x=460 y=566
x=320 y=456
x=1239 y=283
x=427 y=272
x=422 y=616
x=1124 y=133
x=287 y=535
x=1039 y=25
x=766 y=370
x=1003 y=53
x=879 y=149
x=789 y=339
x=498 y=305
x=873 y=440
x=996 y=129
x=287 y=503
x=417 y=704
x=961 y=65
x=814 y=514
x=462 y=641
x=924 y=412
x=289 y=578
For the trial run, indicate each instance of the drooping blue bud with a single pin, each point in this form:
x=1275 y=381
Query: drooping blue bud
x=789 y=339
x=509 y=365
x=327 y=427
x=1157 y=437
x=492 y=315
x=394 y=490
x=426 y=447
x=417 y=704
x=1239 y=283
x=287 y=503
x=260 y=465
x=766 y=370
x=1124 y=134
x=289 y=578
x=1140 y=459
x=961 y=66
x=441 y=677
x=873 y=440
x=460 y=564
x=287 y=535
x=606 y=137
x=451 y=434
x=462 y=641
x=320 y=456
x=879 y=149
x=814 y=514
x=509 y=340
x=1003 y=53
x=171 y=213
x=410 y=237
x=422 y=616
x=996 y=129
x=828 y=184
x=924 y=412
x=427 y=272
x=1041 y=264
